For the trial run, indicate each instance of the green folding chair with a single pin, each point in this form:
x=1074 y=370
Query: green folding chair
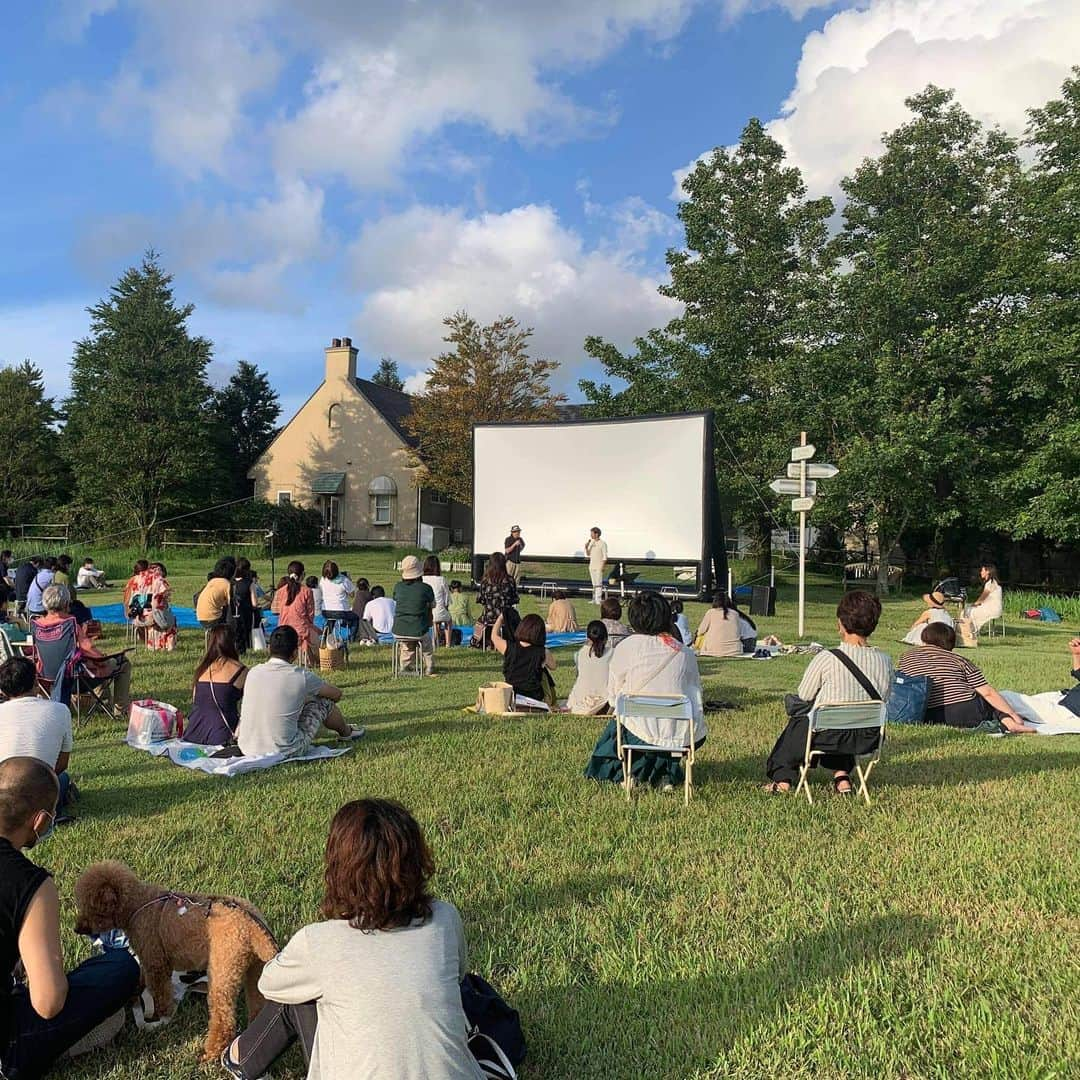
x=844 y=716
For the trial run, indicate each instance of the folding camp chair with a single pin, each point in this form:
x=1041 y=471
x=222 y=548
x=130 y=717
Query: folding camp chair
x=670 y=720
x=7 y=650
x=55 y=652
x=844 y=716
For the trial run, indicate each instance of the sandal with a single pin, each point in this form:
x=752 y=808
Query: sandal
x=845 y=779
x=776 y=788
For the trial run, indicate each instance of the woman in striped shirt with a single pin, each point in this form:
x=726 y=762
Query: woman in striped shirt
x=828 y=681
x=959 y=694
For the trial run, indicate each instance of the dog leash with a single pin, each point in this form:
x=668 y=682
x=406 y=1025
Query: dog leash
x=184 y=903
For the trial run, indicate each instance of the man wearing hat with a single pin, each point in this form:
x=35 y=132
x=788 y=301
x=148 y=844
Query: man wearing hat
x=512 y=548
x=935 y=612
x=415 y=601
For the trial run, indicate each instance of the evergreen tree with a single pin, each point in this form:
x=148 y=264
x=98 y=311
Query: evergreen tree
x=245 y=412
x=488 y=376
x=387 y=374
x=138 y=433
x=753 y=277
x=32 y=477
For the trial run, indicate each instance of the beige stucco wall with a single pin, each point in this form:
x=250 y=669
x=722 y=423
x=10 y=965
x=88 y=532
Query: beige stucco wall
x=358 y=442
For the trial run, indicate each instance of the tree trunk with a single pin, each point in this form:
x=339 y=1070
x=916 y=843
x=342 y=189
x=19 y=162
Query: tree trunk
x=763 y=543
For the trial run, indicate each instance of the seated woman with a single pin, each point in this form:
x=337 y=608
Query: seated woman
x=527 y=661
x=959 y=694
x=990 y=603
x=216 y=692
x=719 y=633
x=747 y=631
x=158 y=618
x=828 y=680
x=682 y=623
x=212 y=603
x=649 y=661
x=294 y=606
x=935 y=613
x=98 y=665
x=561 y=617
x=589 y=694
x=441 y=615
x=337 y=596
x=138 y=585
x=374 y=989
x=414 y=601
x=460 y=608
x=611 y=617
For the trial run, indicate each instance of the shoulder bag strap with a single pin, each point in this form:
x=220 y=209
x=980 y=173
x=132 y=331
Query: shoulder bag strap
x=656 y=671
x=860 y=677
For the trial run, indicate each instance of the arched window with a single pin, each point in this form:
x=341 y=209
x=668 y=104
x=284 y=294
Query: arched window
x=382 y=493
x=333 y=416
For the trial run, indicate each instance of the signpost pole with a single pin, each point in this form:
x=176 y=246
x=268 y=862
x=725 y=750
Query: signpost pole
x=802 y=541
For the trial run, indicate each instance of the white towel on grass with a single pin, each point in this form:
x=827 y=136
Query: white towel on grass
x=193 y=756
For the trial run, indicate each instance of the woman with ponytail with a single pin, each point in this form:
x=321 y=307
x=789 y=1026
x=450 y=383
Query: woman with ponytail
x=590 y=693
x=295 y=607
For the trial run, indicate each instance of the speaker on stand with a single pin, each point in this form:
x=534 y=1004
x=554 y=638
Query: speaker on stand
x=763 y=600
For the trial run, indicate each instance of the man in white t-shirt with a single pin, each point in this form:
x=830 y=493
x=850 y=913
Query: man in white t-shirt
x=596 y=549
x=380 y=611
x=284 y=706
x=89 y=577
x=32 y=726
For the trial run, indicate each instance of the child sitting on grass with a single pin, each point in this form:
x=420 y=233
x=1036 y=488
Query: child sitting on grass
x=460 y=608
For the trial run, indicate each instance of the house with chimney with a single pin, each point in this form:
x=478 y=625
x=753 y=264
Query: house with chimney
x=346 y=454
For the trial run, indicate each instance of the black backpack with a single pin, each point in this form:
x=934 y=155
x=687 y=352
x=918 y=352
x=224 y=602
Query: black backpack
x=495 y=1036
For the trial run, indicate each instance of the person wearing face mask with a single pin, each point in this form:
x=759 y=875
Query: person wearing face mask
x=51 y=1014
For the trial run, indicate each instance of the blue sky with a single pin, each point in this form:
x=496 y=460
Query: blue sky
x=365 y=168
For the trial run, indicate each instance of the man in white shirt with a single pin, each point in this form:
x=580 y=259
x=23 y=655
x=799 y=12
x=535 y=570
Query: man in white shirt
x=380 y=611
x=89 y=577
x=284 y=706
x=32 y=726
x=596 y=549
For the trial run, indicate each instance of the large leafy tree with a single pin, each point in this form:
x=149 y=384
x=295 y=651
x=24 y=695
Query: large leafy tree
x=911 y=362
x=138 y=428
x=1036 y=489
x=387 y=374
x=754 y=279
x=32 y=477
x=245 y=413
x=487 y=375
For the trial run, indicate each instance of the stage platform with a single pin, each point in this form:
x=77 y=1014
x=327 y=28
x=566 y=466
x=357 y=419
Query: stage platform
x=545 y=586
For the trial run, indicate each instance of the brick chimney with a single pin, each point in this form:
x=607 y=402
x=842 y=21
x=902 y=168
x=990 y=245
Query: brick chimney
x=340 y=360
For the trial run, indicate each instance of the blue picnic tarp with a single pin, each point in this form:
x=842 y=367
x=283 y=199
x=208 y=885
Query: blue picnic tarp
x=113 y=614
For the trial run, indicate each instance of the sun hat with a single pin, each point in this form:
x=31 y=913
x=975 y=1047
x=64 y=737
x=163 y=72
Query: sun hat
x=936 y=598
x=515 y=528
x=411 y=568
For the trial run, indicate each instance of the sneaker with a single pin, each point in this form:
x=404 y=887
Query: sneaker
x=356 y=733
x=233 y=1069
x=101 y=1036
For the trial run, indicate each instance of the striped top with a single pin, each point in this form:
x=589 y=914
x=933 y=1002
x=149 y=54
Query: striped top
x=827 y=681
x=953 y=679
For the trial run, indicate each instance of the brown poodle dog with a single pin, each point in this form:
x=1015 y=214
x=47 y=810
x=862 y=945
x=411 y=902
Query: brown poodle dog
x=225 y=937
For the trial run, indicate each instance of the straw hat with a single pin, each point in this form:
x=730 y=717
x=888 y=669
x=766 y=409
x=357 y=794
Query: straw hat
x=935 y=598
x=411 y=568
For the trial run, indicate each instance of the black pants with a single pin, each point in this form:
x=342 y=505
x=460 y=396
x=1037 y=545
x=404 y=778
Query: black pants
x=271 y=1033
x=349 y=619
x=96 y=989
x=788 y=754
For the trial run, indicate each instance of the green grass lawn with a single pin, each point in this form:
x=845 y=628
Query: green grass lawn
x=933 y=934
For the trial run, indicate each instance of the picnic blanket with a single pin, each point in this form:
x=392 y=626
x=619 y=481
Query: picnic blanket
x=1043 y=713
x=193 y=756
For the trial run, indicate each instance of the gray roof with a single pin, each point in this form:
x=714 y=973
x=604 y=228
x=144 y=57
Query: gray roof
x=394 y=406
x=328 y=483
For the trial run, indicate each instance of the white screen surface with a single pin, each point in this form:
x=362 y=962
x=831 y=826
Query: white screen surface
x=640 y=481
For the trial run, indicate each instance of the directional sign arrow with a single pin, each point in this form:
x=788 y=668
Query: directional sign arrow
x=803 y=453
x=802 y=504
x=814 y=470
x=784 y=486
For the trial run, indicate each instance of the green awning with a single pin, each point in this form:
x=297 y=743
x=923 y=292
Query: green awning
x=328 y=483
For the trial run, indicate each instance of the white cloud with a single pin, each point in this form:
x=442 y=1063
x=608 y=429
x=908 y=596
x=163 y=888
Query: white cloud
x=1001 y=56
x=426 y=263
x=240 y=253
